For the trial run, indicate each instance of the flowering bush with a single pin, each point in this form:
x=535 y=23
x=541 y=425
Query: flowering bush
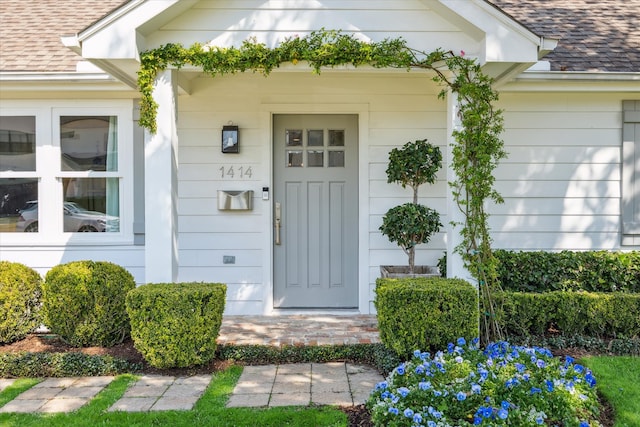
x=503 y=385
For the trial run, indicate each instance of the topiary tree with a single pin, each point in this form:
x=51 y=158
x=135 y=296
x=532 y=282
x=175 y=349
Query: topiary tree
x=84 y=303
x=20 y=291
x=410 y=224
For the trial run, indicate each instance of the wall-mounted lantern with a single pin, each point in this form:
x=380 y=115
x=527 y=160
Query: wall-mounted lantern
x=230 y=141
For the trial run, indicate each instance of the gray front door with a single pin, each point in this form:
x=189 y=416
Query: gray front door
x=315 y=211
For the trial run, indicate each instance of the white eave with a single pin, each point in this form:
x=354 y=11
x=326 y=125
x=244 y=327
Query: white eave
x=575 y=81
x=71 y=82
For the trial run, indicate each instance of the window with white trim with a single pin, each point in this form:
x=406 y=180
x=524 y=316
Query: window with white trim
x=63 y=172
x=631 y=173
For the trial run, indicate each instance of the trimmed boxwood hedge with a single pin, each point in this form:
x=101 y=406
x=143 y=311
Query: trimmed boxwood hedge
x=176 y=324
x=425 y=313
x=84 y=302
x=71 y=364
x=593 y=271
x=601 y=315
x=20 y=292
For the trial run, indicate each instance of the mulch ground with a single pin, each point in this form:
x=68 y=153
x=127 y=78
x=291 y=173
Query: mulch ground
x=358 y=416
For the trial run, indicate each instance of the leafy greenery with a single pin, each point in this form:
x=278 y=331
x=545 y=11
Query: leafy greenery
x=602 y=315
x=503 y=385
x=376 y=355
x=425 y=312
x=594 y=271
x=210 y=410
x=72 y=364
x=176 y=324
x=477 y=149
x=410 y=224
x=84 y=302
x=593 y=345
x=619 y=383
x=20 y=293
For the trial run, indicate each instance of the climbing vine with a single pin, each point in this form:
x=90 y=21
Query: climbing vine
x=477 y=149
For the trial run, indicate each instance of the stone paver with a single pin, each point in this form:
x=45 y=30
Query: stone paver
x=335 y=383
x=157 y=393
x=6 y=382
x=57 y=395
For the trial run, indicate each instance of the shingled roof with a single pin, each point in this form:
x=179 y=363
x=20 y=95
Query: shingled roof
x=30 y=32
x=595 y=35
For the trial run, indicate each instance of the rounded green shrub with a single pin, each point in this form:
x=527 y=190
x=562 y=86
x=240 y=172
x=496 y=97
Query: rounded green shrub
x=425 y=312
x=176 y=324
x=84 y=303
x=20 y=291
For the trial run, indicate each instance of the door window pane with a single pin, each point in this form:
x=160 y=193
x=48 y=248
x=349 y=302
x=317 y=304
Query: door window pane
x=89 y=143
x=17 y=143
x=293 y=137
x=315 y=138
x=315 y=158
x=91 y=204
x=18 y=204
x=336 y=138
x=294 y=159
x=336 y=159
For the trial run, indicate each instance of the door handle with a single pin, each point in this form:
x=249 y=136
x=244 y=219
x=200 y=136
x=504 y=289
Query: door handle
x=278 y=225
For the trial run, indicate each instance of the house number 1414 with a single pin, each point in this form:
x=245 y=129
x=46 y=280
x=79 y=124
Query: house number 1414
x=237 y=172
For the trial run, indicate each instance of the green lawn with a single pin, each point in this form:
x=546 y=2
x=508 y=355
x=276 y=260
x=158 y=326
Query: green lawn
x=209 y=411
x=619 y=382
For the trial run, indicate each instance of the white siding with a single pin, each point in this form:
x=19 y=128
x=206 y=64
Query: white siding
x=400 y=107
x=561 y=182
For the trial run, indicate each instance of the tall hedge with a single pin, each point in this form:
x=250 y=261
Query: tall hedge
x=593 y=271
x=176 y=324
x=601 y=315
x=425 y=313
x=20 y=291
x=84 y=302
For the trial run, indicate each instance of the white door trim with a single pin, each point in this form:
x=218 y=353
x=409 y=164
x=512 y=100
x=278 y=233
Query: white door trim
x=266 y=130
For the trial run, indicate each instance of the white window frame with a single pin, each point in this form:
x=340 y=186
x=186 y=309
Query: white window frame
x=49 y=173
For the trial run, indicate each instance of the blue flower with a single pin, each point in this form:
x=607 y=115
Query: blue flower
x=578 y=368
x=535 y=390
x=505 y=404
x=382 y=385
x=431 y=423
x=458 y=359
x=549 y=384
x=476 y=389
x=584 y=424
x=520 y=367
x=477 y=420
x=403 y=391
x=408 y=413
x=393 y=411
x=424 y=385
x=461 y=341
x=450 y=347
x=417 y=418
x=539 y=420
x=503 y=414
x=461 y=396
x=419 y=370
x=541 y=364
x=400 y=369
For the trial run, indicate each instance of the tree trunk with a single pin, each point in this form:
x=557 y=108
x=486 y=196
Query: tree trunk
x=412 y=259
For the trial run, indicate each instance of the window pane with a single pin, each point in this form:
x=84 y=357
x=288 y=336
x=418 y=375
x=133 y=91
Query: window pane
x=91 y=204
x=315 y=158
x=17 y=143
x=294 y=159
x=336 y=159
x=293 y=137
x=18 y=204
x=336 y=138
x=89 y=143
x=315 y=138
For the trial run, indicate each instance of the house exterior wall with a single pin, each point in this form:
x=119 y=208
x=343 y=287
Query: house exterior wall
x=393 y=108
x=562 y=179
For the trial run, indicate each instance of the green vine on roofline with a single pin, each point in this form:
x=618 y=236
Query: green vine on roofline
x=477 y=149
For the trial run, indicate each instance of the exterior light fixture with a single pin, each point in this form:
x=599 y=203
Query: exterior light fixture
x=230 y=141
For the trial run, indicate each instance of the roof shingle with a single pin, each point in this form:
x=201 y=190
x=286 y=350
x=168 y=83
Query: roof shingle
x=594 y=35
x=30 y=32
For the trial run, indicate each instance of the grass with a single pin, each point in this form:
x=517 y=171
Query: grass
x=209 y=411
x=619 y=382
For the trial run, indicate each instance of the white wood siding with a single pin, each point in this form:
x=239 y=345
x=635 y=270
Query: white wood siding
x=400 y=106
x=561 y=182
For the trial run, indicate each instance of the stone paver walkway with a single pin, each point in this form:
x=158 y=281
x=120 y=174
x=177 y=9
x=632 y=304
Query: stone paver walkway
x=315 y=329
x=301 y=384
x=158 y=393
x=4 y=383
x=57 y=395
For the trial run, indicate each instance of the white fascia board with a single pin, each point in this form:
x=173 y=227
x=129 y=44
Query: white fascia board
x=69 y=82
x=506 y=40
x=562 y=81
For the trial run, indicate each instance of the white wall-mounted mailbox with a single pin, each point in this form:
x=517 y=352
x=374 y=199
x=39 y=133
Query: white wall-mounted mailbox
x=235 y=200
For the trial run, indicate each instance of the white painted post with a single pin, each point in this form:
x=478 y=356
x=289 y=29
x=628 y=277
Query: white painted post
x=161 y=185
x=455 y=265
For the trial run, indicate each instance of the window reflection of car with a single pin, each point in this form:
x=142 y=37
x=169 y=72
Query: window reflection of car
x=76 y=219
